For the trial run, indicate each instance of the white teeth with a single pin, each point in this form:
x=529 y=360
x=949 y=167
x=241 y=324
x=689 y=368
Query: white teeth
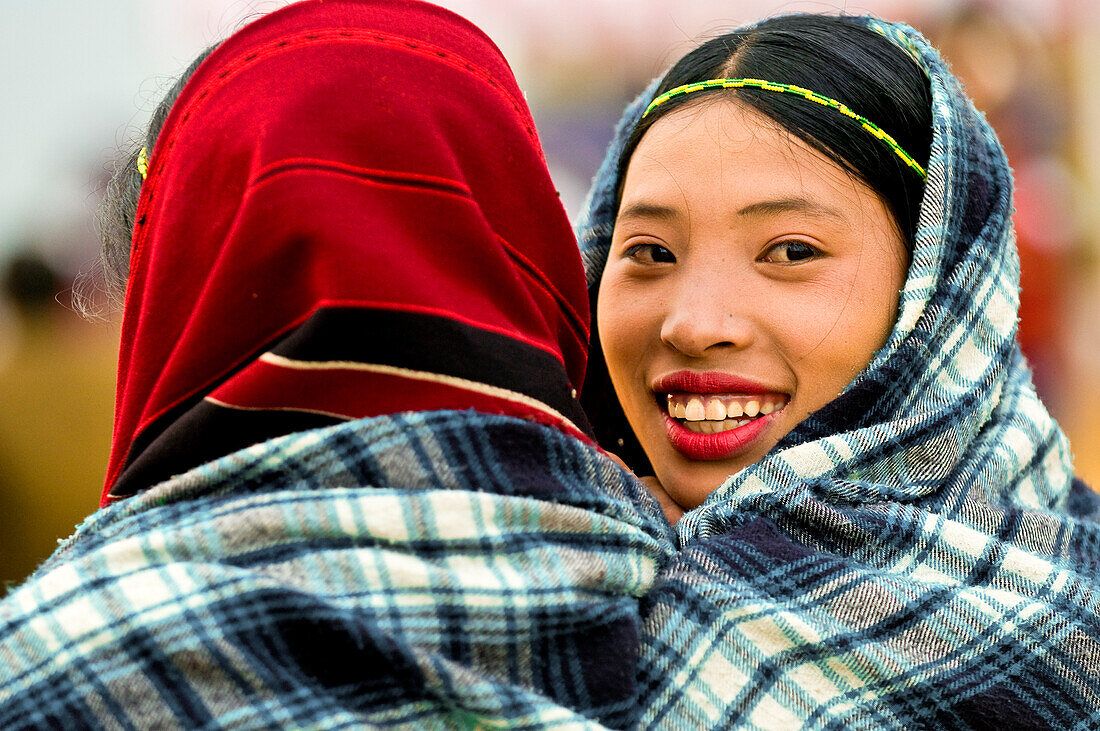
x=694 y=410
x=714 y=427
x=724 y=412
x=716 y=410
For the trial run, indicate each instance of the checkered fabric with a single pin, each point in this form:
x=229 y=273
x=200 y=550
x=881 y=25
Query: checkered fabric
x=436 y=570
x=916 y=554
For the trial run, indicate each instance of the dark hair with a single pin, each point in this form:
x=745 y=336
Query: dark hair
x=836 y=56
x=120 y=202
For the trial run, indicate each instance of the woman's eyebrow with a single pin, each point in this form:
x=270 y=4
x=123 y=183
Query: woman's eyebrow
x=647 y=210
x=789 y=205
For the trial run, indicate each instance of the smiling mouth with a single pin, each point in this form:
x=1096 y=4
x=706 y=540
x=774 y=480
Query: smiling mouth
x=715 y=413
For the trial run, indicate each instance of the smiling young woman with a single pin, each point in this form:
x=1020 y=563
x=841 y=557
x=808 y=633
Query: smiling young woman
x=800 y=253
x=761 y=231
x=769 y=277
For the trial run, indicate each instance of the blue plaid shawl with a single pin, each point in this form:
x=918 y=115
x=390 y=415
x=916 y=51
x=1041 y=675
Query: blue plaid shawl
x=459 y=570
x=438 y=570
x=917 y=553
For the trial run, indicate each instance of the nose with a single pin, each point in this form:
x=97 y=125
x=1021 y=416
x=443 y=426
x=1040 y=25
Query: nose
x=707 y=314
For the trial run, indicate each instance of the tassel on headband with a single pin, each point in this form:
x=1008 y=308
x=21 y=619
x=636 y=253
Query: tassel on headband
x=143 y=163
x=868 y=125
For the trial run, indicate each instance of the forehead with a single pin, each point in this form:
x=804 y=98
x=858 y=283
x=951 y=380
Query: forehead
x=719 y=152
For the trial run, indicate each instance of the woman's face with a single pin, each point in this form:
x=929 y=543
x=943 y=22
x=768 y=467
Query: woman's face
x=749 y=280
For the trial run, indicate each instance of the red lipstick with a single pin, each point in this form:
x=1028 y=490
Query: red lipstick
x=721 y=445
x=712 y=382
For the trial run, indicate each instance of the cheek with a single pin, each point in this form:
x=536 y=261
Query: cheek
x=831 y=329
x=875 y=299
x=620 y=326
x=815 y=322
x=629 y=316
x=849 y=324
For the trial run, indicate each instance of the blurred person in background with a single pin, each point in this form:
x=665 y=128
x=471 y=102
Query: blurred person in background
x=55 y=385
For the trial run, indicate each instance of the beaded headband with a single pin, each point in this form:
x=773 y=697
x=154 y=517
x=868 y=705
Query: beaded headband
x=868 y=125
x=143 y=163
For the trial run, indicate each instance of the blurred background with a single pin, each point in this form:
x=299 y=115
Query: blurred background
x=79 y=81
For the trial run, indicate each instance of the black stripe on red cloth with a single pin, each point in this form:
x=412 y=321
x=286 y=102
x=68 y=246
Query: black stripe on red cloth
x=202 y=433
x=434 y=344
x=197 y=431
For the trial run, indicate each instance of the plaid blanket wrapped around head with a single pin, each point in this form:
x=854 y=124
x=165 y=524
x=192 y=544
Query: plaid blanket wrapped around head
x=917 y=553
x=438 y=570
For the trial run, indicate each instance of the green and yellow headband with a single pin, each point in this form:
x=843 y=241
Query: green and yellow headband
x=868 y=125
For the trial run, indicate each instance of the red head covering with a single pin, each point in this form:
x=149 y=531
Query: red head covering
x=347 y=214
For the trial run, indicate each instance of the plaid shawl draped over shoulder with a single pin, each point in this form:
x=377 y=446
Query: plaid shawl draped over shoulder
x=916 y=554
x=438 y=570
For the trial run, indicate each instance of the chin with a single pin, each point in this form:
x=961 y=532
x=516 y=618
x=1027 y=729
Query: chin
x=689 y=485
x=689 y=479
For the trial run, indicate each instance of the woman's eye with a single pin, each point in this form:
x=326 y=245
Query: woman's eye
x=790 y=252
x=650 y=254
